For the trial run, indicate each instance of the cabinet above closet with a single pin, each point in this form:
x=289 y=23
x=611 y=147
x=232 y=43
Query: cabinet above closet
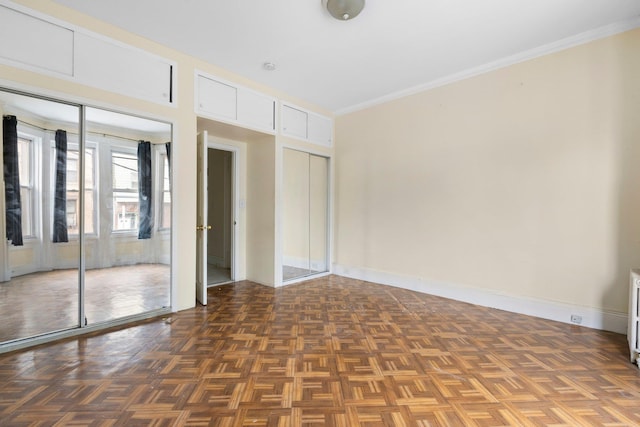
x=306 y=125
x=231 y=103
x=45 y=45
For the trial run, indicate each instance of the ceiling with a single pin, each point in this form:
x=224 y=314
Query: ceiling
x=390 y=48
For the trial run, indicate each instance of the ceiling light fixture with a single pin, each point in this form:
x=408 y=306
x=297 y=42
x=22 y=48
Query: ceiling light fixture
x=344 y=10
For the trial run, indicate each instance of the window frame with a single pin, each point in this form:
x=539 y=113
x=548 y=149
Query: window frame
x=131 y=153
x=161 y=158
x=33 y=185
x=72 y=145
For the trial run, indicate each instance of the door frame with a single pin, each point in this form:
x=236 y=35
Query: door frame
x=235 y=203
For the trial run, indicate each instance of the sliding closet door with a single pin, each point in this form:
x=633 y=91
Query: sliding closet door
x=40 y=255
x=127 y=224
x=318 y=214
x=295 y=217
x=305 y=219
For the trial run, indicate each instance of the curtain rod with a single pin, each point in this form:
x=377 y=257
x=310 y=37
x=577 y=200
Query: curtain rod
x=75 y=133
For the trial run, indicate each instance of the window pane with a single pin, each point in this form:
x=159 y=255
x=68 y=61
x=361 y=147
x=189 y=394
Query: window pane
x=125 y=211
x=26 y=204
x=88 y=172
x=73 y=209
x=89 y=216
x=125 y=172
x=73 y=187
x=24 y=170
x=24 y=158
x=72 y=170
x=125 y=191
x=166 y=210
x=165 y=174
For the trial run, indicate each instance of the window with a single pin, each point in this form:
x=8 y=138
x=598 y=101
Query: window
x=165 y=196
x=26 y=170
x=126 y=212
x=73 y=190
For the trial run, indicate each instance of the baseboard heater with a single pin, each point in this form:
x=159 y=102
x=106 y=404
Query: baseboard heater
x=634 y=317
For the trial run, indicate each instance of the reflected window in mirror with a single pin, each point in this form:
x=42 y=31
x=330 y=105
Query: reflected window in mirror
x=46 y=209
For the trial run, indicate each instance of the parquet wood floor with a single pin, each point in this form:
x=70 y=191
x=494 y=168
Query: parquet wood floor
x=328 y=352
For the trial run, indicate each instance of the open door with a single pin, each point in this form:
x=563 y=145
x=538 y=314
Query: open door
x=201 y=224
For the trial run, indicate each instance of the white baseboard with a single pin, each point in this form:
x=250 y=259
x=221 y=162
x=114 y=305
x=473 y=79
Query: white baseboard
x=561 y=312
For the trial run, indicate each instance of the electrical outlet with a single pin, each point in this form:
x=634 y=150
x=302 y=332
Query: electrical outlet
x=576 y=319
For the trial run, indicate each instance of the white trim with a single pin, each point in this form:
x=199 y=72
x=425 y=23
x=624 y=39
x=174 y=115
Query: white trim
x=545 y=309
x=235 y=201
x=566 y=43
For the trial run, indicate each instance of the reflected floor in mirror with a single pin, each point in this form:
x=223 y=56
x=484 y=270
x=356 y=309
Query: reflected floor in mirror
x=289 y=272
x=43 y=302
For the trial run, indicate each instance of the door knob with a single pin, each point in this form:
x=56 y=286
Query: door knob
x=203 y=227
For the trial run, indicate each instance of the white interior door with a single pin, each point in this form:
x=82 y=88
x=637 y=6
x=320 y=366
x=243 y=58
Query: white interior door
x=201 y=225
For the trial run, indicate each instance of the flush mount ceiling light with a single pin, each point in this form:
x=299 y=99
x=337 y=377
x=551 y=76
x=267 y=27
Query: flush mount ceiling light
x=344 y=9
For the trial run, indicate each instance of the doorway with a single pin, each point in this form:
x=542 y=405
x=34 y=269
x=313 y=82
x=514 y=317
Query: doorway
x=220 y=216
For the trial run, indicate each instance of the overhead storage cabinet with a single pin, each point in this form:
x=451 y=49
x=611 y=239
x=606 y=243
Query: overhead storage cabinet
x=31 y=42
x=116 y=67
x=306 y=125
x=42 y=44
x=227 y=102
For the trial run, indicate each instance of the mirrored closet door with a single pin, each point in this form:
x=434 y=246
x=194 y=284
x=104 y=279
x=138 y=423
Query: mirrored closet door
x=39 y=287
x=305 y=214
x=127 y=208
x=87 y=217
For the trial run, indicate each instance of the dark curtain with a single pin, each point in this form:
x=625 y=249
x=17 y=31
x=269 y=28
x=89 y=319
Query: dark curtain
x=13 y=206
x=144 y=190
x=60 y=201
x=168 y=148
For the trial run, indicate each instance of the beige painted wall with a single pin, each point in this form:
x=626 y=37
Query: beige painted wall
x=522 y=181
x=260 y=211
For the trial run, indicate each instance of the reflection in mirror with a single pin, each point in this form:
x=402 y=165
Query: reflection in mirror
x=109 y=194
x=305 y=214
x=127 y=208
x=39 y=285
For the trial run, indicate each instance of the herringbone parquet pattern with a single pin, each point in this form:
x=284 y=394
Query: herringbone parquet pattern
x=329 y=352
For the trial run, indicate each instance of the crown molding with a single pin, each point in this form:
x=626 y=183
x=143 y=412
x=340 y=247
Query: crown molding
x=566 y=43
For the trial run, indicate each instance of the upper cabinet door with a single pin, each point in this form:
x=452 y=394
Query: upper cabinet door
x=231 y=103
x=306 y=125
x=216 y=99
x=256 y=110
x=33 y=42
x=294 y=122
x=320 y=129
x=123 y=69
